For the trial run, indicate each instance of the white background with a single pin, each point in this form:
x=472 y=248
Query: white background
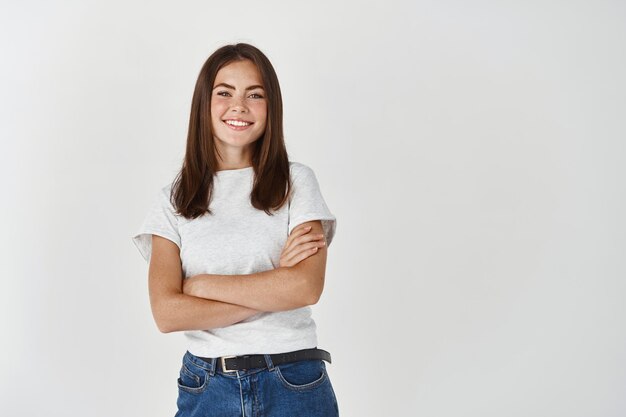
x=473 y=153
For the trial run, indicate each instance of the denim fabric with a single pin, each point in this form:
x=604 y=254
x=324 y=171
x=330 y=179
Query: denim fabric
x=301 y=388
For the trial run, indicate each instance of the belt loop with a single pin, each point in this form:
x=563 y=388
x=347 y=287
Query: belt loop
x=213 y=366
x=268 y=360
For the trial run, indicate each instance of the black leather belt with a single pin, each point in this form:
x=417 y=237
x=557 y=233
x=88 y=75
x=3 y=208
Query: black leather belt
x=238 y=363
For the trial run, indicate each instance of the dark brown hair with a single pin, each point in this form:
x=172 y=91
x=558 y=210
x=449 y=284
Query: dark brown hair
x=192 y=187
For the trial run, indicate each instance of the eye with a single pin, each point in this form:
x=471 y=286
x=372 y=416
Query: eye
x=219 y=93
x=256 y=94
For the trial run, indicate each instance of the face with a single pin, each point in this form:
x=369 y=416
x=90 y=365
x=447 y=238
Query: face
x=238 y=109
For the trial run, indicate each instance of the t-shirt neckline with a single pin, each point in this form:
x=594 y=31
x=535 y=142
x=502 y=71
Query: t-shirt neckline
x=234 y=171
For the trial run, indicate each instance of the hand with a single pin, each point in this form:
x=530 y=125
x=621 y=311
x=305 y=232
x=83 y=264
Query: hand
x=188 y=286
x=300 y=245
x=198 y=286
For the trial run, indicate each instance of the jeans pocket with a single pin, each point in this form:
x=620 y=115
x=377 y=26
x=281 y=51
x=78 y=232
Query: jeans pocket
x=302 y=375
x=192 y=378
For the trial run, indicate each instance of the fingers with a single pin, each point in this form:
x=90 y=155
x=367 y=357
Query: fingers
x=300 y=245
x=294 y=258
x=303 y=255
x=300 y=236
x=304 y=242
x=301 y=252
x=297 y=232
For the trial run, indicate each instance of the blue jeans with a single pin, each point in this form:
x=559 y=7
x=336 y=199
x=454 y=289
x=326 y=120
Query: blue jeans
x=301 y=388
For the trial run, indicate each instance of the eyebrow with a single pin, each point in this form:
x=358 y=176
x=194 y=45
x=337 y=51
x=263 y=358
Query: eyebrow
x=252 y=87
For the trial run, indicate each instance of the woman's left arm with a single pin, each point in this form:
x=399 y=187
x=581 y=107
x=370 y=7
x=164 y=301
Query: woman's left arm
x=280 y=289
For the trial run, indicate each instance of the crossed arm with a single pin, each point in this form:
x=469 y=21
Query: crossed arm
x=207 y=301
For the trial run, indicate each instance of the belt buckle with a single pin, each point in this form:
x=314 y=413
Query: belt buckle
x=223 y=359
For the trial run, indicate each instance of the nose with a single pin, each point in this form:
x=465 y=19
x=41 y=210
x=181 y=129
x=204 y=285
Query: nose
x=238 y=105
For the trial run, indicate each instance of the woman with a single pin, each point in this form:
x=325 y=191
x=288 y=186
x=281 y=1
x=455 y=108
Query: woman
x=237 y=247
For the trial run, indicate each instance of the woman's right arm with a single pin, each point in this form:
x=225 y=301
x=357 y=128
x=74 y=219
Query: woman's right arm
x=175 y=311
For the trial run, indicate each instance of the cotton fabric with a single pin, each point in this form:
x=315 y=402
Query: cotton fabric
x=239 y=239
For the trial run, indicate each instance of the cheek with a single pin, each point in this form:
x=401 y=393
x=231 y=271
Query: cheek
x=261 y=110
x=217 y=109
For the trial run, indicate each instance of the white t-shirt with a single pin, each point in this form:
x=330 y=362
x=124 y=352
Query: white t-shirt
x=239 y=239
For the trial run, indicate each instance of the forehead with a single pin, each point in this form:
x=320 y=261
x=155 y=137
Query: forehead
x=239 y=72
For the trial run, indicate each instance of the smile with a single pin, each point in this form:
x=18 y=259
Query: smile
x=237 y=123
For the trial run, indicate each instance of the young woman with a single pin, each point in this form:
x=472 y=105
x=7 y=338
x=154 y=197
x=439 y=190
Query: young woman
x=237 y=247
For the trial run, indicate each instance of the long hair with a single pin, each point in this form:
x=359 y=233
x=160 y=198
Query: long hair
x=192 y=188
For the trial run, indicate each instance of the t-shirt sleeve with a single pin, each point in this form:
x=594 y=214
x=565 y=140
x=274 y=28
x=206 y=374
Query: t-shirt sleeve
x=307 y=203
x=161 y=220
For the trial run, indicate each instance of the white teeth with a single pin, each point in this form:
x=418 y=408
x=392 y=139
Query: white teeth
x=237 y=123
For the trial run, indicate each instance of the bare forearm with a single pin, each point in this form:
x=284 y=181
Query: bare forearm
x=273 y=290
x=179 y=312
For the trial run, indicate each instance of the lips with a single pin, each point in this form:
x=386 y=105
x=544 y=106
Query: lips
x=237 y=120
x=238 y=125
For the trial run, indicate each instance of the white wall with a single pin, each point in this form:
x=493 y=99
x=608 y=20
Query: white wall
x=473 y=153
